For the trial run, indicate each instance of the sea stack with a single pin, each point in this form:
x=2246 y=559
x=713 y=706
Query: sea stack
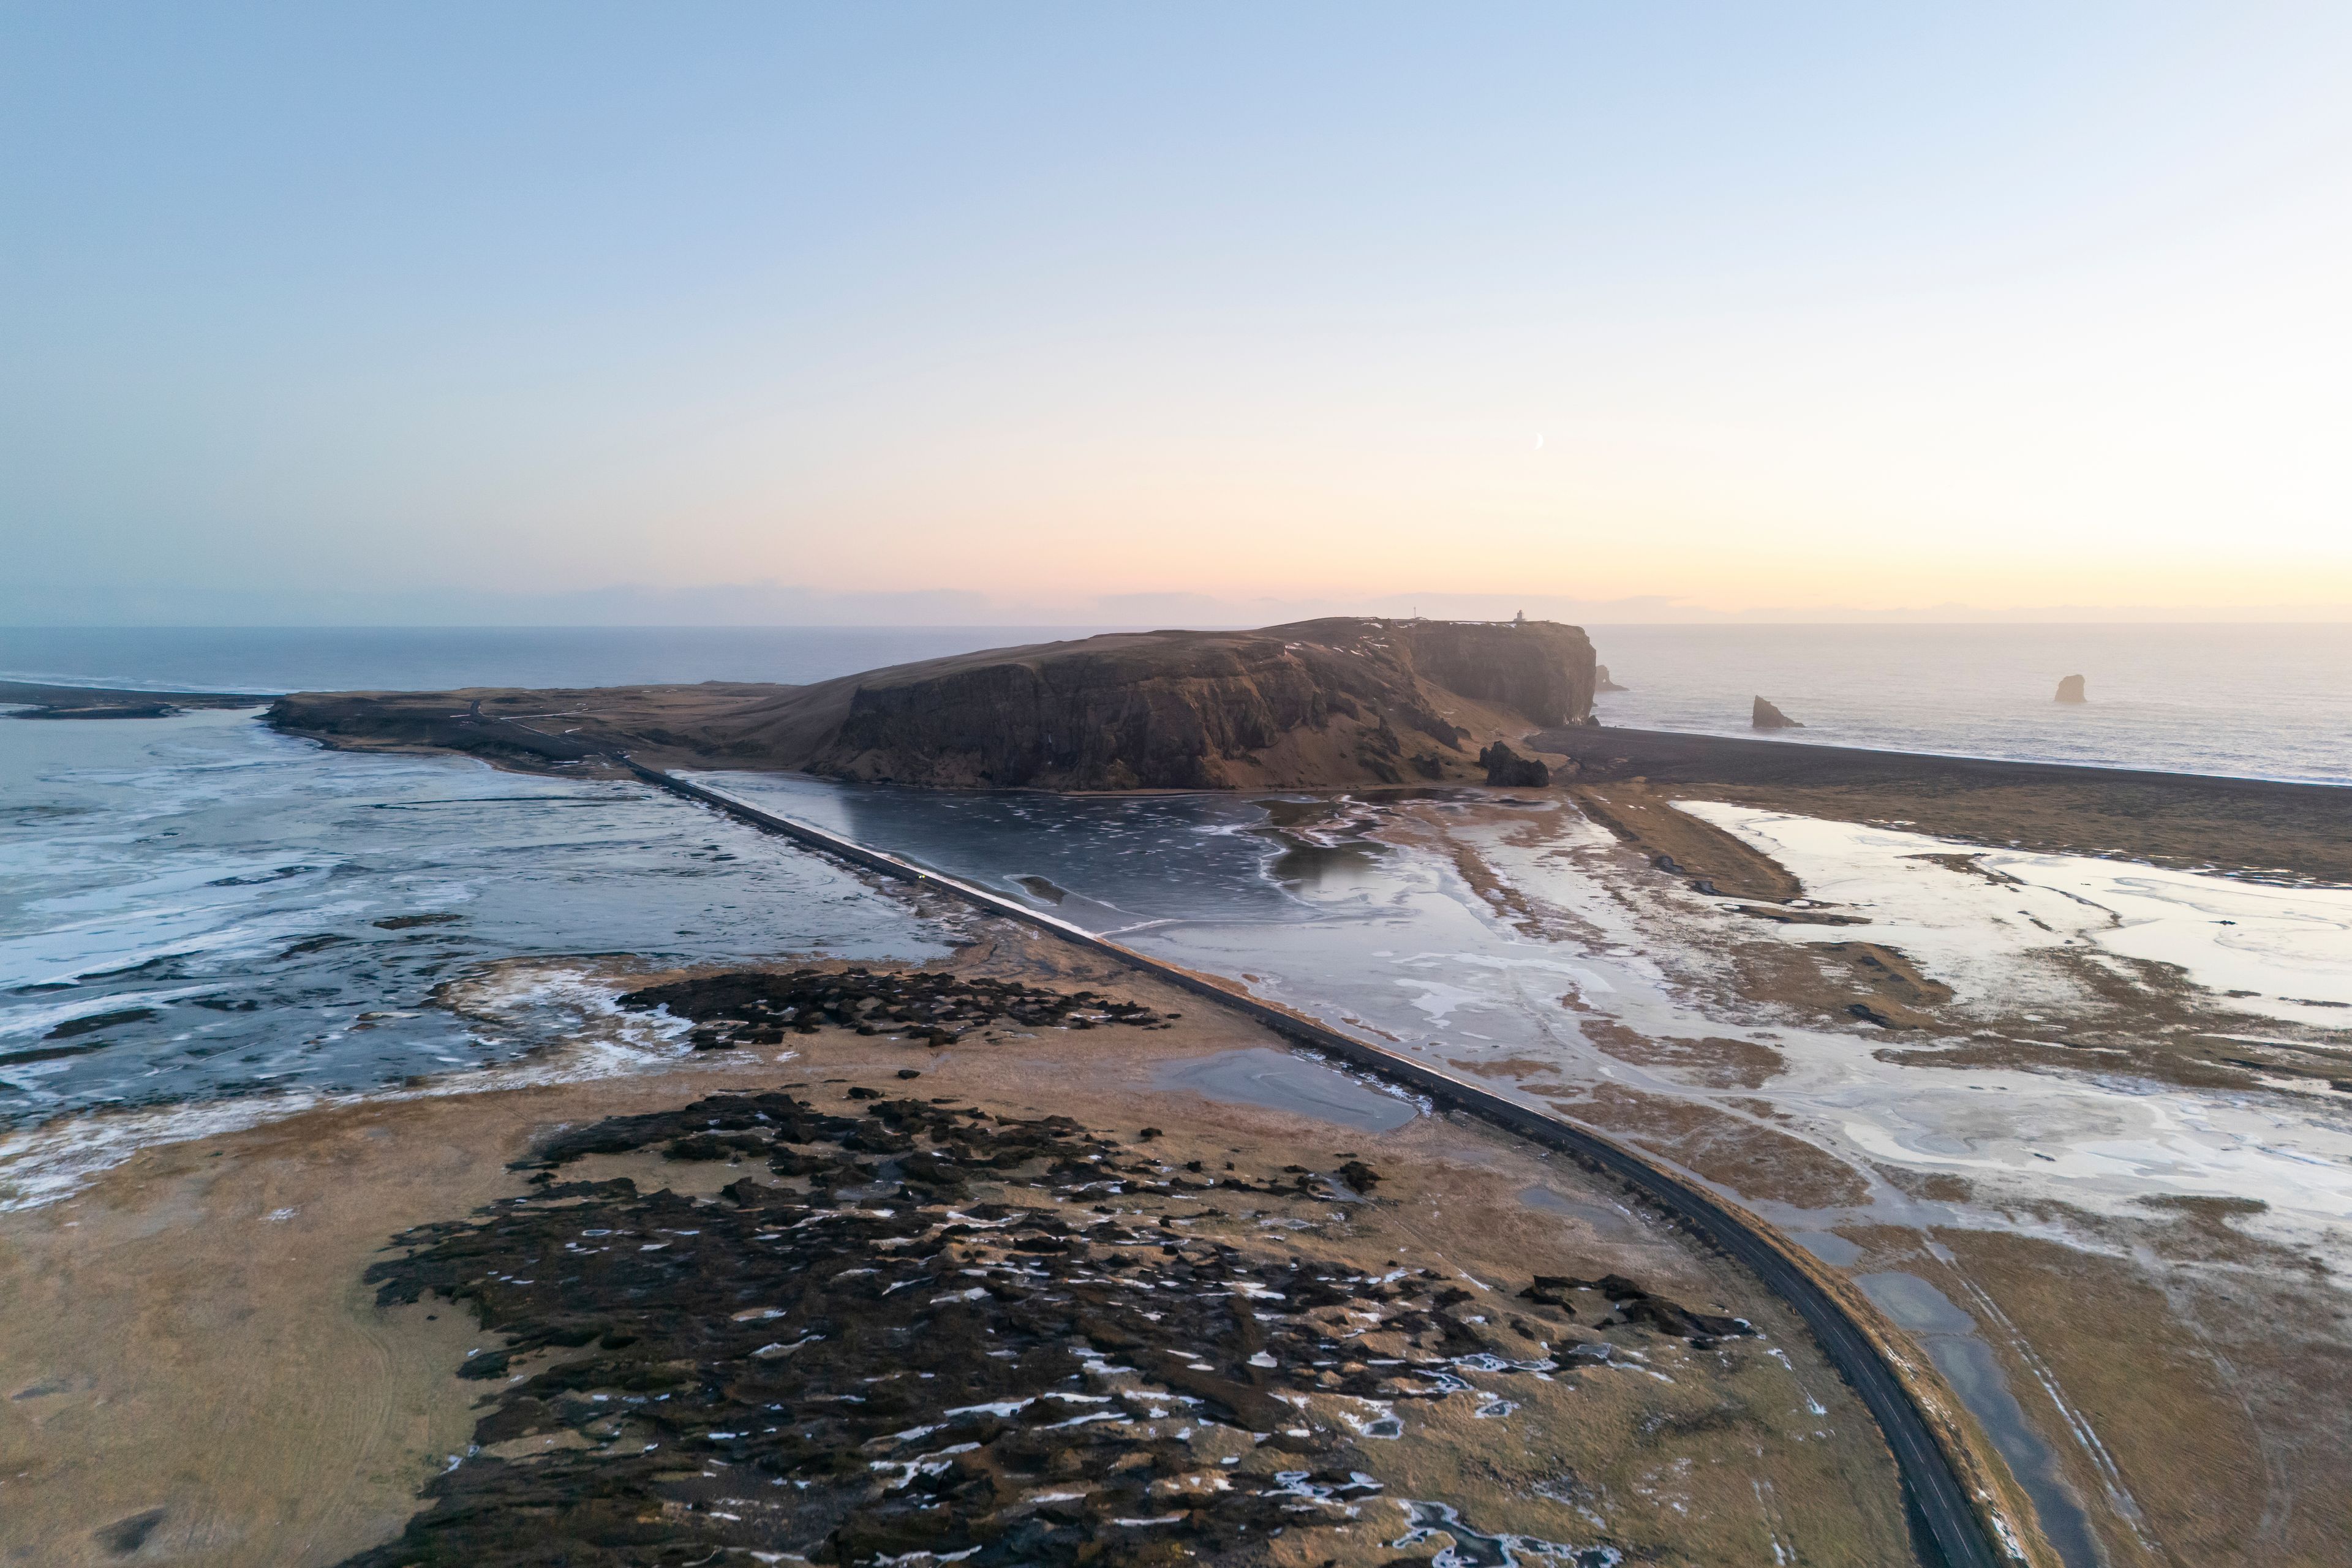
x=1600 y=681
x=1768 y=717
x=2071 y=690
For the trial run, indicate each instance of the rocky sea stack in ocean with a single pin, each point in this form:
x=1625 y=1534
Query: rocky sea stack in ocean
x=1767 y=717
x=2070 y=689
x=1602 y=682
x=1312 y=704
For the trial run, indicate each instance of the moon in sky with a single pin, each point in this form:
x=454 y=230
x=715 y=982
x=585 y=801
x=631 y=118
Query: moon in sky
x=1539 y=441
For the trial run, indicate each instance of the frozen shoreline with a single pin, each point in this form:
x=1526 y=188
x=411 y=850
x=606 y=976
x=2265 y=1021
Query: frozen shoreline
x=2105 y=1136
x=2282 y=952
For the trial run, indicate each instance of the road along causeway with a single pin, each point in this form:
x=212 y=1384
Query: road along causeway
x=1955 y=1524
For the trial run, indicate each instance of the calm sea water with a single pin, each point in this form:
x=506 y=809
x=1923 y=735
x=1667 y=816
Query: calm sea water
x=2266 y=702
x=432 y=658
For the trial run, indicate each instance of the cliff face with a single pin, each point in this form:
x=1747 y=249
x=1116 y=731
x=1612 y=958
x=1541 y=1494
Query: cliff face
x=1313 y=704
x=1118 y=719
x=1533 y=667
x=1335 y=701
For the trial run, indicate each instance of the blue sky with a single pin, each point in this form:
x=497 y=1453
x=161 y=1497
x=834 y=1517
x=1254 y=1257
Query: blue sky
x=383 y=313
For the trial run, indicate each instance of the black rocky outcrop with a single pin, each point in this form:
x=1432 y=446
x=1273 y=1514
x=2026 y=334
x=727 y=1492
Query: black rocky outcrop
x=1506 y=767
x=848 y=1358
x=756 y=1007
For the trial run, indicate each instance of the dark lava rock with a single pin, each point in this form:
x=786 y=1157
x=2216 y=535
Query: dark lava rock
x=780 y=1372
x=1506 y=767
x=2070 y=689
x=755 y=1007
x=1767 y=717
x=1633 y=1304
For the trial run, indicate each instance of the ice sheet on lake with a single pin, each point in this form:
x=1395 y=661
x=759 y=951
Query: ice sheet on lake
x=2290 y=947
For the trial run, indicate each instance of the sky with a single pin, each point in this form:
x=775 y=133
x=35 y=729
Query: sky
x=1061 y=313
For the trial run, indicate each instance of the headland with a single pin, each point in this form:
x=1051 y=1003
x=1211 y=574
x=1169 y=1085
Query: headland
x=1318 y=704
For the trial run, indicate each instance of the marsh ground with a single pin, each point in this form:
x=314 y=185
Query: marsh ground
x=199 y=1370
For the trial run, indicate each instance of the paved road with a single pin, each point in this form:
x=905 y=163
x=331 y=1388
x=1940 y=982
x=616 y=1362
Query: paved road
x=1949 y=1531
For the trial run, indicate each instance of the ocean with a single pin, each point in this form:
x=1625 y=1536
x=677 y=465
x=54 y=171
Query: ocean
x=2254 y=701
x=430 y=658
x=198 y=907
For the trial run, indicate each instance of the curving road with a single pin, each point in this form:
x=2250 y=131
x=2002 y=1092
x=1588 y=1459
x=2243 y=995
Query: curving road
x=1946 y=1527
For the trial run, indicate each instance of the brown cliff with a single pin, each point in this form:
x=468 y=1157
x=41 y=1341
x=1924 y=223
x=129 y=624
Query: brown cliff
x=1312 y=704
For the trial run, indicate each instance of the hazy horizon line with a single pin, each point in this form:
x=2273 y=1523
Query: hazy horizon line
x=1100 y=628
x=82 y=607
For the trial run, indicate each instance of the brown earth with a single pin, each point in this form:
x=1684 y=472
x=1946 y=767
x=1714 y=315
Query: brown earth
x=2220 y=1390
x=198 y=1373
x=1719 y=1063
x=1740 y=1154
x=1682 y=844
x=1330 y=702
